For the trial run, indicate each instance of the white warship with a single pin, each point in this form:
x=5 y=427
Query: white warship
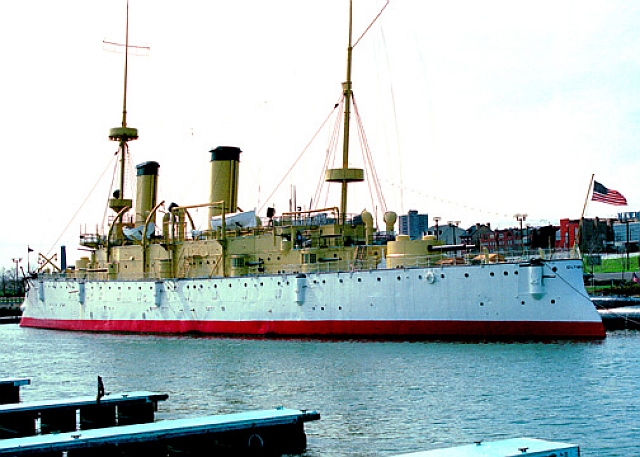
x=321 y=273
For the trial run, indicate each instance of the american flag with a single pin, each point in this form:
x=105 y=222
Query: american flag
x=604 y=195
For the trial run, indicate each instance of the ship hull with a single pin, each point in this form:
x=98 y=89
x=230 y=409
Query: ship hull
x=494 y=301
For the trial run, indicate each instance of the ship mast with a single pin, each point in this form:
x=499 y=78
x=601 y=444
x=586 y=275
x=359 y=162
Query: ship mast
x=346 y=175
x=123 y=134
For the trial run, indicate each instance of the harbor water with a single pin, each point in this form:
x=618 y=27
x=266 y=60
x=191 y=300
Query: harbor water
x=375 y=398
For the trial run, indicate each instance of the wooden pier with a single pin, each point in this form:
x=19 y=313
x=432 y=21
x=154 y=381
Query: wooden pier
x=514 y=447
x=278 y=431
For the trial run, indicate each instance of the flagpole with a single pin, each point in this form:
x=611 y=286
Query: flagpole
x=586 y=200
x=584 y=209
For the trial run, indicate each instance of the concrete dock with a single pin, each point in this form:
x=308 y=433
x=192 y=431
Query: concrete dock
x=278 y=431
x=80 y=413
x=514 y=447
x=10 y=389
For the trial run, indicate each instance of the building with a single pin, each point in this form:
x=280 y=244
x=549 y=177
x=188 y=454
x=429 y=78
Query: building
x=448 y=233
x=626 y=235
x=593 y=235
x=474 y=234
x=413 y=224
x=502 y=240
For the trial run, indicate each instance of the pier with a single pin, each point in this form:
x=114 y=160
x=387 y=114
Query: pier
x=10 y=310
x=10 y=389
x=124 y=424
x=278 y=431
x=67 y=415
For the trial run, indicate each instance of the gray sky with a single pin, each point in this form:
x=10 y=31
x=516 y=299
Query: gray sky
x=474 y=111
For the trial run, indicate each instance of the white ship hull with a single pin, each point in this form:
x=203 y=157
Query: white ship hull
x=496 y=301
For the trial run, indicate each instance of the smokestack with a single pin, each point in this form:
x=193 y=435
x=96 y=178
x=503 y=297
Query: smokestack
x=225 y=164
x=63 y=258
x=146 y=191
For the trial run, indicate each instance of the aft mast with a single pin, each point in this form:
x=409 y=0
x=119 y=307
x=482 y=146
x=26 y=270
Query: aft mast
x=346 y=175
x=123 y=135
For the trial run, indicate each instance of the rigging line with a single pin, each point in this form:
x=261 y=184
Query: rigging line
x=395 y=119
x=556 y=273
x=106 y=207
x=439 y=199
x=81 y=206
x=330 y=155
x=366 y=156
x=371 y=24
x=330 y=158
x=131 y=172
x=300 y=156
x=369 y=158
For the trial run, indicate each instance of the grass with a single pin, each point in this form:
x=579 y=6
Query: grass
x=615 y=265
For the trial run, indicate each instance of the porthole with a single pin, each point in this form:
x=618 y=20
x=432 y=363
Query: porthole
x=359 y=279
x=379 y=279
x=399 y=278
x=506 y=273
x=481 y=303
x=492 y=274
x=553 y=302
x=442 y=276
x=466 y=275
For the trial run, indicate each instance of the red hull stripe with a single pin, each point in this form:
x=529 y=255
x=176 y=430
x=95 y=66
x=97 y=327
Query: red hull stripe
x=416 y=329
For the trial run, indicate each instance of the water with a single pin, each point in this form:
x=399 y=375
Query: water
x=375 y=398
